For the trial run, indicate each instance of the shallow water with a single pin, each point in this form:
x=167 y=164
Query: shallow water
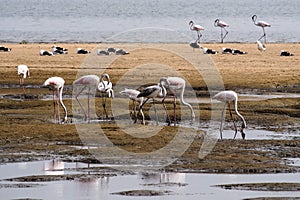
x=180 y=185
x=250 y=97
x=98 y=20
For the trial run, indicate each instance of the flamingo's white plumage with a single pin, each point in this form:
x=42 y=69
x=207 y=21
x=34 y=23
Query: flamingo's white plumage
x=56 y=84
x=262 y=24
x=222 y=25
x=198 y=29
x=227 y=97
x=173 y=84
x=23 y=72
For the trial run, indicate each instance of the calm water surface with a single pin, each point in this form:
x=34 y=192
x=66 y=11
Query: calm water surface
x=99 y=20
x=181 y=185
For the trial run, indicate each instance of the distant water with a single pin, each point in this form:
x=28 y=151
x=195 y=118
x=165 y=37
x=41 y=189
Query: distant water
x=145 y=20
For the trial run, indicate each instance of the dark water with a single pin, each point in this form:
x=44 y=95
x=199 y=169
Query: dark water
x=99 y=20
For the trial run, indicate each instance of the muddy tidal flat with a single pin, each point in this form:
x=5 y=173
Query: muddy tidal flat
x=268 y=86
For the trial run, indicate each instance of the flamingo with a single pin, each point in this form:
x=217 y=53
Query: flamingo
x=23 y=72
x=262 y=24
x=227 y=97
x=198 y=28
x=172 y=84
x=106 y=90
x=221 y=24
x=151 y=92
x=132 y=94
x=56 y=84
x=88 y=81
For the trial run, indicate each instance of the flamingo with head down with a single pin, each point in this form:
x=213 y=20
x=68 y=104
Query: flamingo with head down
x=227 y=97
x=90 y=82
x=56 y=84
x=23 y=73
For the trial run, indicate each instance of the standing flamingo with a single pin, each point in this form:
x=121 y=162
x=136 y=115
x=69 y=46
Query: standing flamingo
x=151 y=92
x=56 y=84
x=221 y=24
x=23 y=72
x=90 y=82
x=227 y=97
x=198 y=28
x=172 y=84
x=132 y=94
x=262 y=24
x=106 y=90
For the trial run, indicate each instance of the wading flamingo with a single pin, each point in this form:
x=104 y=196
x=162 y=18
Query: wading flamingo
x=227 y=97
x=106 y=90
x=91 y=82
x=56 y=84
x=262 y=24
x=173 y=84
x=222 y=25
x=151 y=92
x=132 y=94
x=197 y=28
x=23 y=72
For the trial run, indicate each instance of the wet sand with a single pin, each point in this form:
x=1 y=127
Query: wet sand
x=28 y=132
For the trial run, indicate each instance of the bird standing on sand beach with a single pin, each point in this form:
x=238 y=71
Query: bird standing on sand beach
x=227 y=97
x=56 y=84
x=23 y=72
x=197 y=28
x=222 y=25
x=262 y=24
x=172 y=84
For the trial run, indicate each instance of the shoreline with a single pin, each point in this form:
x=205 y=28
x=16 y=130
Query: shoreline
x=107 y=42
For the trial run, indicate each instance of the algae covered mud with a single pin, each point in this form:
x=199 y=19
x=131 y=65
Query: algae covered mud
x=268 y=87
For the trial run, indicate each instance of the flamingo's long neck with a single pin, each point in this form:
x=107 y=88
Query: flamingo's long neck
x=237 y=112
x=185 y=103
x=192 y=26
x=61 y=102
x=107 y=78
x=163 y=91
x=254 y=19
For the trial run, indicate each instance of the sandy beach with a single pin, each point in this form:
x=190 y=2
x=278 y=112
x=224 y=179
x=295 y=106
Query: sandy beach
x=255 y=70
